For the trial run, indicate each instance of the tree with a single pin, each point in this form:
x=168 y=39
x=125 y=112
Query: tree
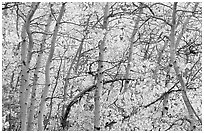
x=38 y=63
x=176 y=68
x=75 y=59
x=124 y=66
x=130 y=52
x=97 y=95
x=24 y=93
x=47 y=70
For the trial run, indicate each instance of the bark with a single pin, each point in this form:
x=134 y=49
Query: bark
x=100 y=71
x=165 y=105
x=184 y=26
x=176 y=68
x=131 y=49
x=81 y=94
x=52 y=95
x=66 y=82
x=81 y=45
x=25 y=89
x=78 y=53
x=38 y=63
x=47 y=70
x=23 y=72
x=167 y=80
x=160 y=52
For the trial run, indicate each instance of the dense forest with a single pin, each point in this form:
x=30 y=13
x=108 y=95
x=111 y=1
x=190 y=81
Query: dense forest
x=85 y=66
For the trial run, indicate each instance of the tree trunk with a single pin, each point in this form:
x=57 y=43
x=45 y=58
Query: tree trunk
x=81 y=45
x=78 y=54
x=68 y=75
x=25 y=89
x=38 y=63
x=131 y=48
x=100 y=71
x=160 y=52
x=184 y=27
x=47 y=70
x=176 y=68
x=52 y=95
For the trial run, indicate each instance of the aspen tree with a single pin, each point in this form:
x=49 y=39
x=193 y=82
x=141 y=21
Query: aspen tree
x=165 y=104
x=23 y=80
x=68 y=74
x=38 y=63
x=25 y=89
x=82 y=42
x=165 y=100
x=47 y=70
x=132 y=38
x=100 y=71
x=46 y=121
x=173 y=62
x=66 y=81
x=184 y=26
x=160 y=52
x=78 y=54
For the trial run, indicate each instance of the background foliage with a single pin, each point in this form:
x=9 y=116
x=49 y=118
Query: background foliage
x=82 y=23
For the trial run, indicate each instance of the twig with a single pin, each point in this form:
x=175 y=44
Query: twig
x=163 y=95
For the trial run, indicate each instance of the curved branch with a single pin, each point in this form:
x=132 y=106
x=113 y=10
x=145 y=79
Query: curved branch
x=80 y=95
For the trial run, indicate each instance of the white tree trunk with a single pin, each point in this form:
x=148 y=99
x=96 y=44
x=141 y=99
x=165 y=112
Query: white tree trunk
x=78 y=54
x=47 y=70
x=23 y=79
x=173 y=61
x=25 y=89
x=131 y=49
x=38 y=63
x=100 y=72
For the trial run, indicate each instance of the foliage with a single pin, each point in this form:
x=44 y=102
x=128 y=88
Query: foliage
x=141 y=107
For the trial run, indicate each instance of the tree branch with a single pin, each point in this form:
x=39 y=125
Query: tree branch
x=80 y=95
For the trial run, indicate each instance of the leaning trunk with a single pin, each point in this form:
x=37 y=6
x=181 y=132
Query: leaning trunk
x=176 y=68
